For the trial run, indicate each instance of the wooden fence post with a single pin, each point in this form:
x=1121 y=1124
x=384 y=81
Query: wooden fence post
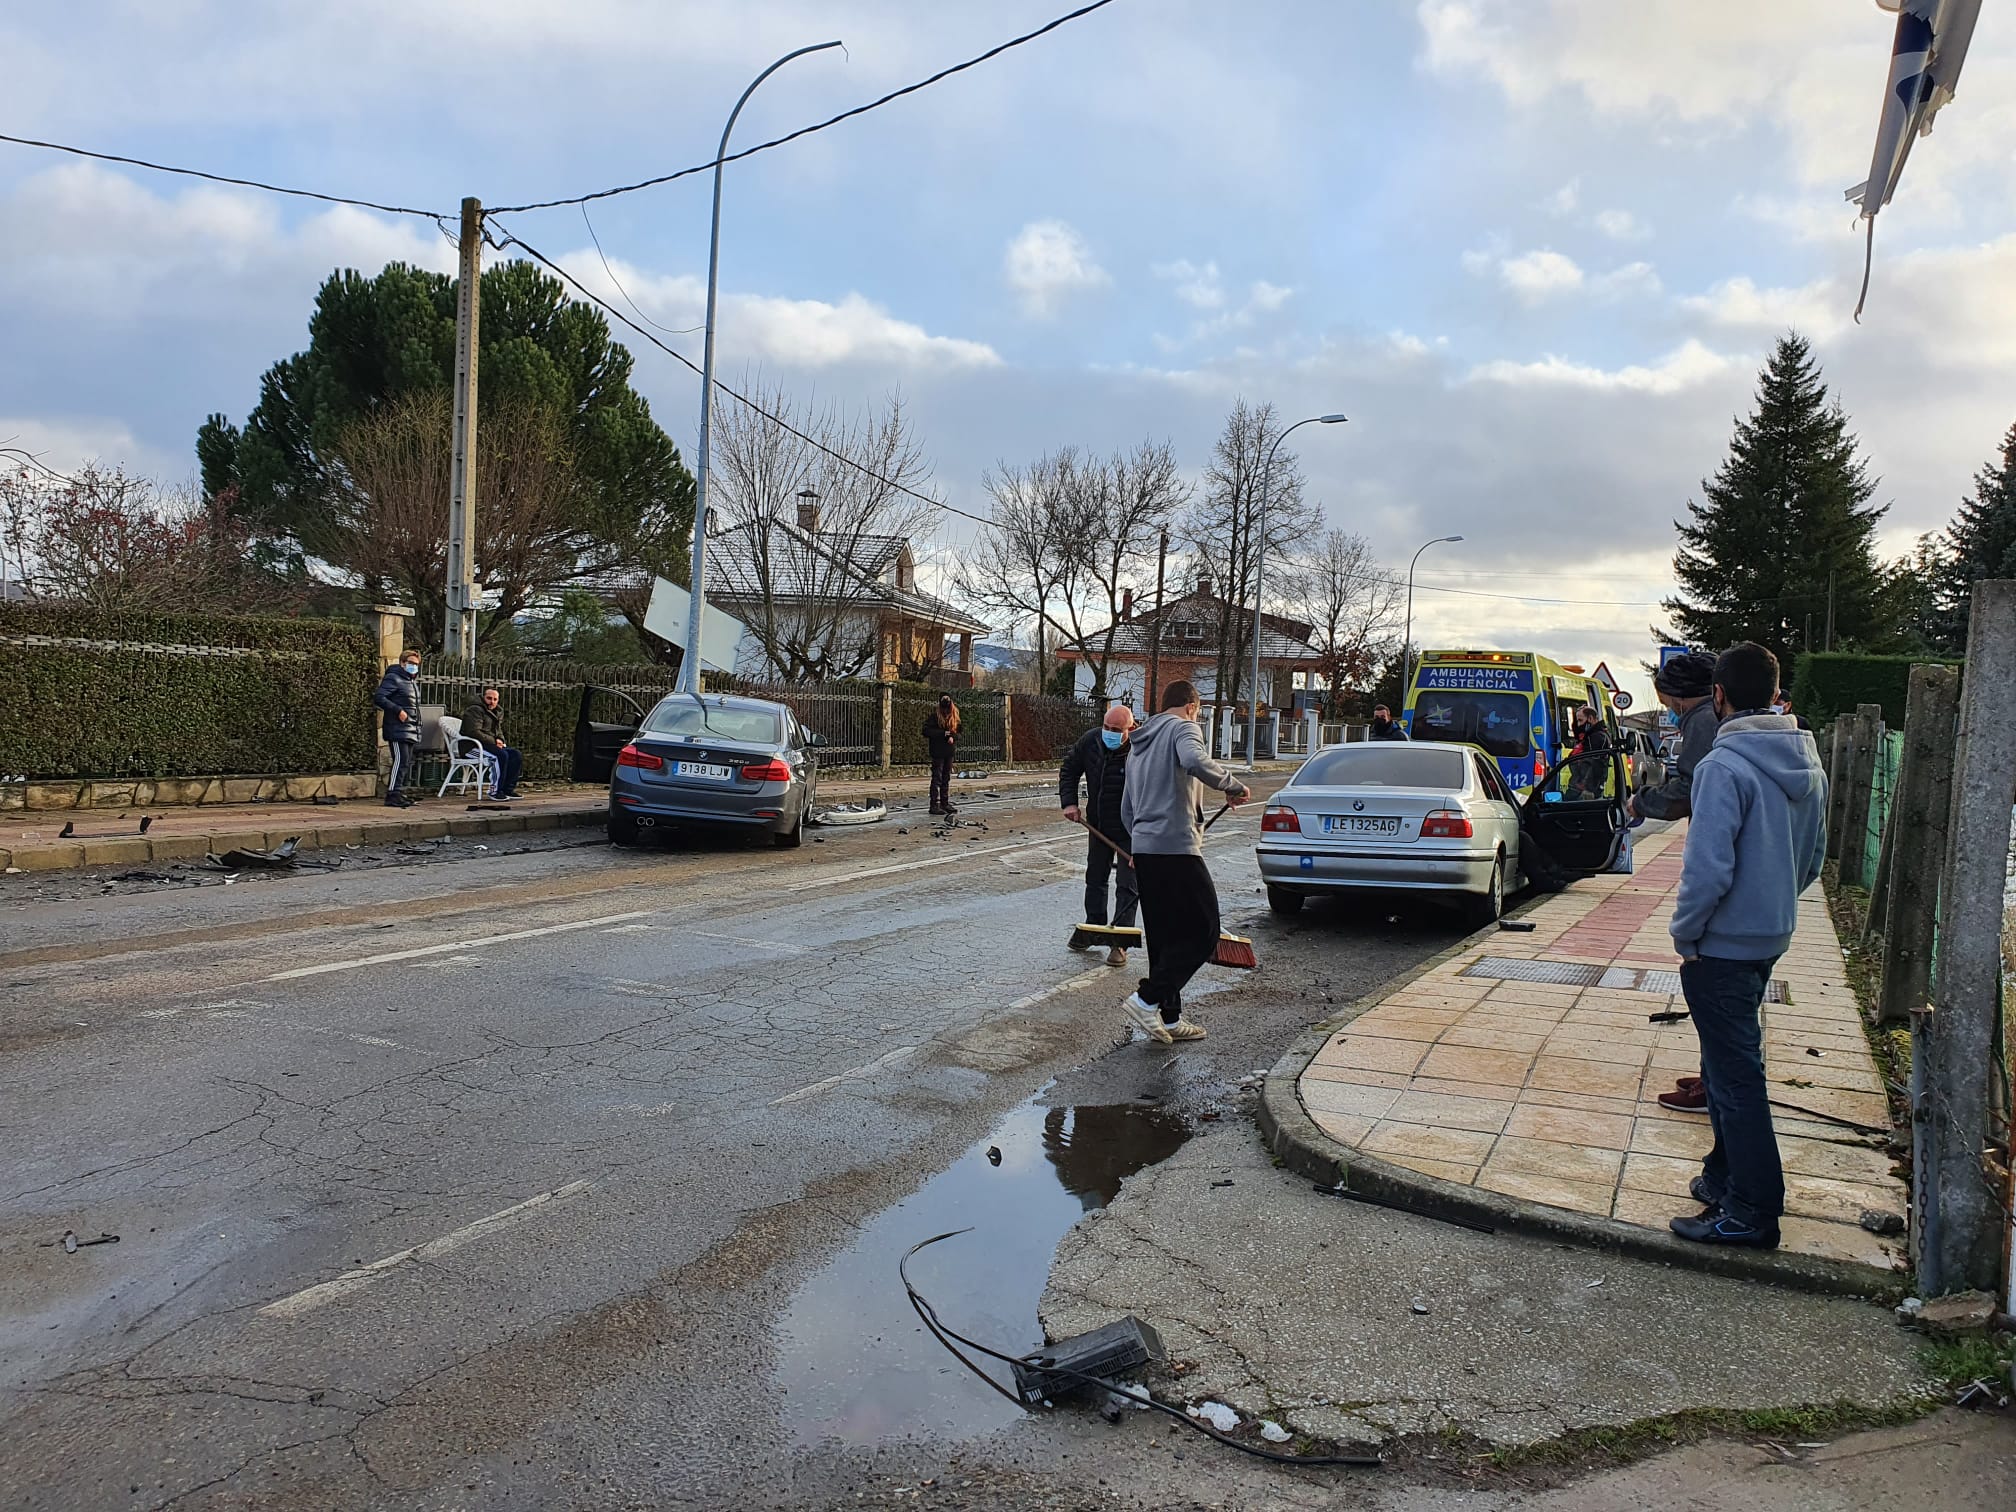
x=1918 y=820
x=1962 y=1220
x=1862 y=757
x=884 y=746
x=1876 y=920
x=1008 y=729
x=1838 y=742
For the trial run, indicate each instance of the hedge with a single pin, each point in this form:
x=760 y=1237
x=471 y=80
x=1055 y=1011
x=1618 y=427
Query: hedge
x=149 y=695
x=541 y=701
x=1830 y=683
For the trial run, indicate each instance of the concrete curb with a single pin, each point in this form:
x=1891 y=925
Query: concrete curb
x=140 y=850
x=1292 y=1135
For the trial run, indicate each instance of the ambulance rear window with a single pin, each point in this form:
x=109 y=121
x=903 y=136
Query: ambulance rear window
x=1494 y=721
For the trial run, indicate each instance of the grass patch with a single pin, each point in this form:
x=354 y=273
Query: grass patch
x=1957 y=1362
x=1863 y=962
x=1626 y=1443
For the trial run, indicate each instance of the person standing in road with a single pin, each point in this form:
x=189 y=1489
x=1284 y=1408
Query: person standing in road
x=1179 y=902
x=1686 y=686
x=1756 y=840
x=398 y=696
x=941 y=735
x=483 y=722
x=1385 y=727
x=1099 y=761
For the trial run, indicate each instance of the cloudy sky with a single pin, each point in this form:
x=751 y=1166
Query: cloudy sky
x=1534 y=250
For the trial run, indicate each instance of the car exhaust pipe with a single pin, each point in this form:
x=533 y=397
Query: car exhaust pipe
x=645 y=821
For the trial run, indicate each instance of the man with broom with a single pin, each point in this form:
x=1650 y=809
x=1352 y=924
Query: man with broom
x=1099 y=760
x=1179 y=902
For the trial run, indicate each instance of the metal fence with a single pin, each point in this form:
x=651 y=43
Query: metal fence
x=541 y=701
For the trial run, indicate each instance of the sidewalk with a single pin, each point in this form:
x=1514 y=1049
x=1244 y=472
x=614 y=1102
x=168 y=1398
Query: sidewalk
x=110 y=837
x=1514 y=1082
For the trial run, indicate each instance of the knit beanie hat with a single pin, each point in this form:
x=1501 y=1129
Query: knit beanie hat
x=1689 y=676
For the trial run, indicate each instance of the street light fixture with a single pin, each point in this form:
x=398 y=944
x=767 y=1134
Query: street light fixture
x=1259 y=576
x=1407 y=636
x=689 y=663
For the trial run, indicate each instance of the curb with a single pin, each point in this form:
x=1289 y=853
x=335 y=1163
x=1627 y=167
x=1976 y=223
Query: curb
x=1295 y=1140
x=139 y=850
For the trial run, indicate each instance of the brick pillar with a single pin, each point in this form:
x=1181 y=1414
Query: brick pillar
x=388 y=626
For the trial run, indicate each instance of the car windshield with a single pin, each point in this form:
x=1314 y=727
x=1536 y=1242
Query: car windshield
x=1382 y=764
x=1494 y=721
x=681 y=716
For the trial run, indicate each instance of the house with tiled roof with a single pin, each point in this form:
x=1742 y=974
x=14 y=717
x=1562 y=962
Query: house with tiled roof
x=1187 y=632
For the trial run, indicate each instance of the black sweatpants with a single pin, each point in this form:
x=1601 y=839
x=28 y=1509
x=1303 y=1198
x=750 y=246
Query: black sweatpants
x=1179 y=909
x=1099 y=862
x=941 y=781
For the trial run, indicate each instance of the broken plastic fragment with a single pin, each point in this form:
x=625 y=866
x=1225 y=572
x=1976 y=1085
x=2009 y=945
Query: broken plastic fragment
x=1217 y=1414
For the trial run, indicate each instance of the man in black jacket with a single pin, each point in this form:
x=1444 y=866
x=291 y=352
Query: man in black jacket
x=398 y=696
x=1385 y=726
x=1100 y=760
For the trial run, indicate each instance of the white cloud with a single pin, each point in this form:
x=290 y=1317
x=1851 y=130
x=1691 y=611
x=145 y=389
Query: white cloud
x=1621 y=225
x=1267 y=297
x=1688 y=366
x=1046 y=264
x=1739 y=304
x=1539 y=275
x=1197 y=285
x=1633 y=278
x=1566 y=199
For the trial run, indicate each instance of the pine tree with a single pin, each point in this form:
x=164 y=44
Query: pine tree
x=1788 y=508
x=1981 y=541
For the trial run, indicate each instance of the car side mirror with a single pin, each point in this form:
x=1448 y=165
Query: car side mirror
x=814 y=742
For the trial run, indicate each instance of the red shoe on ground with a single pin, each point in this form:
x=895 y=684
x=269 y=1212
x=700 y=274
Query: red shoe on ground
x=1686 y=1099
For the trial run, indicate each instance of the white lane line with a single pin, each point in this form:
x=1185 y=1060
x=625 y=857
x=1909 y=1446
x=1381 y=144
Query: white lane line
x=452 y=945
x=881 y=1063
x=776 y=945
x=1064 y=986
x=310 y=1298
x=961 y=854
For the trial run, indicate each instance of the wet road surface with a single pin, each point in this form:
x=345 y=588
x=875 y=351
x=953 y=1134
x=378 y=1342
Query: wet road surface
x=578 y=1177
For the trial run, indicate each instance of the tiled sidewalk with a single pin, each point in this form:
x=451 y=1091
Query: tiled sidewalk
x=1548 y=1093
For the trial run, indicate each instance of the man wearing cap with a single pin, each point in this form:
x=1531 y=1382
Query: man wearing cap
x=1685 y=685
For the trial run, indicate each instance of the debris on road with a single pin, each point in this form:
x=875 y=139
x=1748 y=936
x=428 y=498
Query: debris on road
x=71 y=1243
x=1878 y=1222
x=277 y=859
x=1217 y=1414
x=1420 y=1308
x=1273 y=1432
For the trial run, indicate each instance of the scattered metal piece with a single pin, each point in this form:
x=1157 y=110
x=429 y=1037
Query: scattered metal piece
x=1815 y=1053
x=1517 y=926
x=71 y=1243
x=280 y=858
x=1420 y=1308
x=994 y=1155
x=1673 y=1017
x=1341 y=1190
x=1221 y=1183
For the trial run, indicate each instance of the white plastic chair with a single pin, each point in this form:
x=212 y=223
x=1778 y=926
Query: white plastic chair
x=469 y=765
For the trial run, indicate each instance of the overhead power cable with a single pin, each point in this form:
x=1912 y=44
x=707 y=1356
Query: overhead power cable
x=220 y=178
x=512 y=239
x=804 y=131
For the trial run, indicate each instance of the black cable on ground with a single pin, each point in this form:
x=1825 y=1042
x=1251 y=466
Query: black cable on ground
x=946 y=1336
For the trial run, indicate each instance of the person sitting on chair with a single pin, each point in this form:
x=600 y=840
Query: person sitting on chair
x=483 y=722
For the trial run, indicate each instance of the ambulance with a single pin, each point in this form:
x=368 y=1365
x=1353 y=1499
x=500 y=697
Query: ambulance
x=1516 y=706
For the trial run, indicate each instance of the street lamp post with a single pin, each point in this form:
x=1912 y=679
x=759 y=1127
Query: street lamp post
x=1407 y=636
x=1259 y=574
x=689 y=663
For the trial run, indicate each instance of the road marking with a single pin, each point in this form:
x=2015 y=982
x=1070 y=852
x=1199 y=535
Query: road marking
x=1064 y=986
x=310 y=1298
x=962 y=854
x=776 y=945
x=428 y=950
x=882 y=1062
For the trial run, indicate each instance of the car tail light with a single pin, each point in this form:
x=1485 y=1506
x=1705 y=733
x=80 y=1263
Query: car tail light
x=776 y=769
x=1280 y=820
x=1446 y=824
x=632 y=757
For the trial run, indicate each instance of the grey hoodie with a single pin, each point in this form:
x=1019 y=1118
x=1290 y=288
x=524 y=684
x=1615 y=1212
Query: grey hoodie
x=1159 y=806
x=1756 y=840
x=1670 y=799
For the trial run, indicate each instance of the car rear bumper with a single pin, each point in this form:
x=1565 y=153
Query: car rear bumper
x=777 y=812
x=1442 y=870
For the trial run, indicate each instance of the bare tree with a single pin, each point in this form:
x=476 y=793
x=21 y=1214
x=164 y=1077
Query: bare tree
x=112 y=541
x=1118 y=510
x=1223 y=527
x=1024 y=563
x=1353 y=604
x=805 y=574
x=387 y=521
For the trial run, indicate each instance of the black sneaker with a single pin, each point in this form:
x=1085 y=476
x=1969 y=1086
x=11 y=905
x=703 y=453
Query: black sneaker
x=1719 y=1228
x=394 y=800
x=1699 y=1190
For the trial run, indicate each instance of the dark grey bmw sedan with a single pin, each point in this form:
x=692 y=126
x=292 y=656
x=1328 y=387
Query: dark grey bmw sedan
x=715 y=760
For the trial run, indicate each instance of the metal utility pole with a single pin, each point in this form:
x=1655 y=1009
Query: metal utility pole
x=1260 y=574
x=1151 y=696
x=459 y=640
x=689 y=660
x=1830 y=608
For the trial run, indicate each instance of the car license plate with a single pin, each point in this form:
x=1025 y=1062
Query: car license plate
x=702 y=769
x=1353 y=824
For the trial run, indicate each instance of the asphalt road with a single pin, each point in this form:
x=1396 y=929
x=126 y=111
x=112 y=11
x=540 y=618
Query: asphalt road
x=576 y=1177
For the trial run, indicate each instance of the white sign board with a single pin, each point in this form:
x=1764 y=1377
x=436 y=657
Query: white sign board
x=721 y=634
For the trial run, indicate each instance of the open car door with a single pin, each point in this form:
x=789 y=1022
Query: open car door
x=606 y=723
x=1573 y=820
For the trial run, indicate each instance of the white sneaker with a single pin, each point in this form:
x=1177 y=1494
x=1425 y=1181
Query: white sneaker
x=1147 y=1018
x=1116 y=956
x=1183 y=1029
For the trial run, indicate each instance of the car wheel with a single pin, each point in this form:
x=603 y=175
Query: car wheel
x=622 y=828
x=792 y=838
x=1486 y=910
x=1282 y=901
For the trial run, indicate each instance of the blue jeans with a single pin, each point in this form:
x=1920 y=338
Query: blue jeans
x=510 y=762
x=1742 y=1169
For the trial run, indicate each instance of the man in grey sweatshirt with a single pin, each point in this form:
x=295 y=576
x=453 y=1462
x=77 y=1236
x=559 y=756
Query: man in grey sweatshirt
x=1756 y=840
x=1179 y=902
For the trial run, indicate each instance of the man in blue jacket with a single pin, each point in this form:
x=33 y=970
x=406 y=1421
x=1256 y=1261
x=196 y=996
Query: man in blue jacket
x=398 y=696
x=1756 y=840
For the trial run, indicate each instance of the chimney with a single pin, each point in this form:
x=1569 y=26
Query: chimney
x=808 y=510
x=1126 y=603
x=1204 y=582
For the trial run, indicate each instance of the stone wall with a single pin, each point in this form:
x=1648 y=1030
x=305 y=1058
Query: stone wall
x=172 y=792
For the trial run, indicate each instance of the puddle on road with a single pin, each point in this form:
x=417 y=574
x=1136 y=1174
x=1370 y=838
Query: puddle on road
x=858 y=1367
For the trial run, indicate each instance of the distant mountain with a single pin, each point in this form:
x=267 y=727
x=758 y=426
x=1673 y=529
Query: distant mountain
x=997 y=658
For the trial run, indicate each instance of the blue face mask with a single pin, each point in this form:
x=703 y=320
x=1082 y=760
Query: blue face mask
x=412 y=669
x=1114 y=739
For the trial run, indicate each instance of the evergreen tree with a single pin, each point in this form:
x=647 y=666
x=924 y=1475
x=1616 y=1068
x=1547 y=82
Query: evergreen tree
x=1981 y=542
x=1788 y=507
